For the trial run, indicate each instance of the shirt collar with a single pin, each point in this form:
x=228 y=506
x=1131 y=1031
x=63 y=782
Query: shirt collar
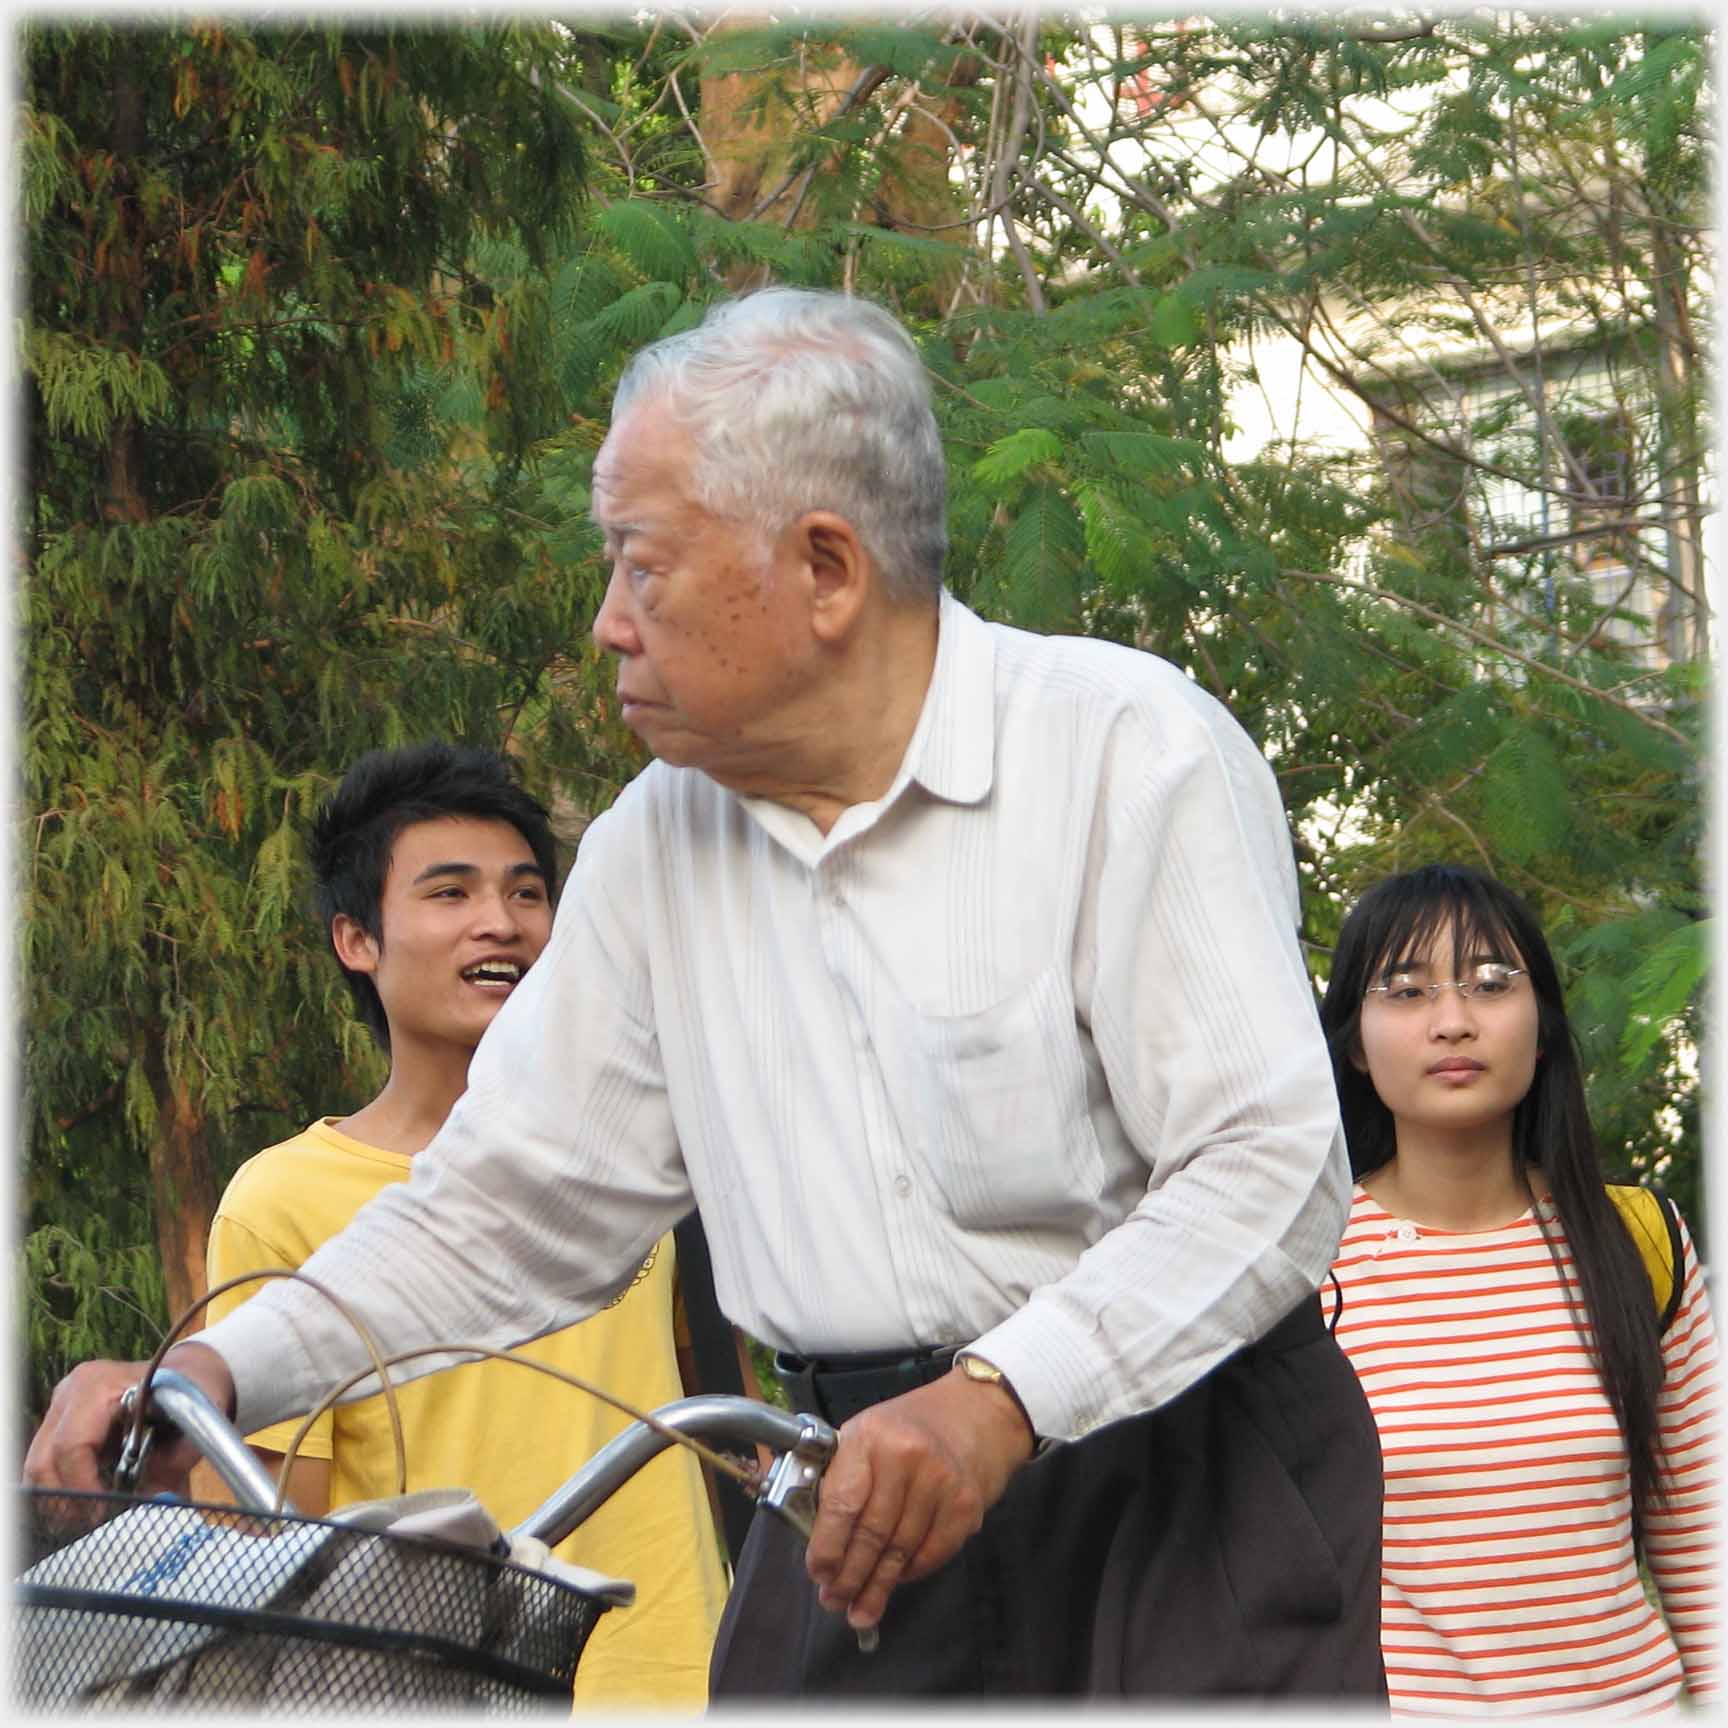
x=953 y=750
x=952 y=753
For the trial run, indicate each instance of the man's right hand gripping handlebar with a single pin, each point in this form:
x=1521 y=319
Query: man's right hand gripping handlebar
x=79 y=1440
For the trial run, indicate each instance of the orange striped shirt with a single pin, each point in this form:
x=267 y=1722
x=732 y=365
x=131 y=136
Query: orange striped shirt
x=1509 y=1584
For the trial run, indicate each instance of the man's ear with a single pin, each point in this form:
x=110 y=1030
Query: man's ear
x=354 y=948
x=837 y=568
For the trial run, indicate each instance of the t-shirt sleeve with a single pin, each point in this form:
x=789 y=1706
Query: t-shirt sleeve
x=236 y=1248
x=1680 y=1531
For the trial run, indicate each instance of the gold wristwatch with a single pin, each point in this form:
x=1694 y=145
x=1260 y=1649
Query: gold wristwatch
x=976 y=1367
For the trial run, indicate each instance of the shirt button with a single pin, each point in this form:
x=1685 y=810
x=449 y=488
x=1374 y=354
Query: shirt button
x=902 y=1185
x=1406 y=1232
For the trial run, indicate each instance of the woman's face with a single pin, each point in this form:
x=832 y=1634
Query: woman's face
x=1447 y=1061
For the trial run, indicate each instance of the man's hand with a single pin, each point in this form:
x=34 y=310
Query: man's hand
x=910 y=1483
x=80 y=1436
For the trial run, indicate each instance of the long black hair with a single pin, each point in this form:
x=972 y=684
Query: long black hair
x=1403 y=917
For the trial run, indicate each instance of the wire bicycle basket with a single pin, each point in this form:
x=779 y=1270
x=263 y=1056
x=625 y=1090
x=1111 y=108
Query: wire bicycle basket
x=167 y=1604
x=152 y=1604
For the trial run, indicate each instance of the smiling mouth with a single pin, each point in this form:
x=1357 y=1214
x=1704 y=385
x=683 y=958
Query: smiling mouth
x=494 y=974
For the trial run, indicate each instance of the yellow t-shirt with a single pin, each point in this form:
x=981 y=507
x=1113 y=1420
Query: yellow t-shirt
x=508 y=1433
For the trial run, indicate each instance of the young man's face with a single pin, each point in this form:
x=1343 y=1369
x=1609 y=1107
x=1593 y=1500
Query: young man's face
x=464 y=913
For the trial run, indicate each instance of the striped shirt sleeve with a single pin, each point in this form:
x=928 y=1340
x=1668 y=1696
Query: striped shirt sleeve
x=1681 y=1529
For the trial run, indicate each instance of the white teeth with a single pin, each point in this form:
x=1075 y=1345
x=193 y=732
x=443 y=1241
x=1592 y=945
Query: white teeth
x=494 y=972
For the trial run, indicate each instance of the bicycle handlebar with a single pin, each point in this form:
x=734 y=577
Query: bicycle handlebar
x=175 y=1399
x=805 y=1444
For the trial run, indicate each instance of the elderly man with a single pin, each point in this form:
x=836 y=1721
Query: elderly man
x=951 y=972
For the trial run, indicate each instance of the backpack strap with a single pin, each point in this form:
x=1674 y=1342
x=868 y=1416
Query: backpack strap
x=1676 y=1259
x=1654 y=1226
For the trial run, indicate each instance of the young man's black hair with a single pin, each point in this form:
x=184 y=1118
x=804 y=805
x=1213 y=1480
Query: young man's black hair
x=383 y=793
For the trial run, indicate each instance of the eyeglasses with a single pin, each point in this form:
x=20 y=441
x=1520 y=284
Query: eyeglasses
x=1490 y=981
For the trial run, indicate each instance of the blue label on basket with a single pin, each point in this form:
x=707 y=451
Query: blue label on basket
x=170 y=1563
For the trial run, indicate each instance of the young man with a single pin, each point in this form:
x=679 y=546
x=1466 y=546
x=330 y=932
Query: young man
x=435 y=875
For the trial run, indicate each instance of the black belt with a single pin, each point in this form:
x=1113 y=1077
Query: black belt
x=838 y=1387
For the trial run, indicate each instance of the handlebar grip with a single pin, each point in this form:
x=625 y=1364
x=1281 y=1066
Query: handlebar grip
x=179 y=1403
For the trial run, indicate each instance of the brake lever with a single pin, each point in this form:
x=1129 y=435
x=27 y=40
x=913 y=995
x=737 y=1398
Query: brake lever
x=789 y=1492
x=135 y=1448
x=789 y=1489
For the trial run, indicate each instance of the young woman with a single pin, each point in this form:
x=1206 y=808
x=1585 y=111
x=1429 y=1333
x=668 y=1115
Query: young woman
x=1541 y=1431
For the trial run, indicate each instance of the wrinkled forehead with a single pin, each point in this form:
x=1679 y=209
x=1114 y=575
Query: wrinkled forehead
x=647 y=451
x=1445 y=936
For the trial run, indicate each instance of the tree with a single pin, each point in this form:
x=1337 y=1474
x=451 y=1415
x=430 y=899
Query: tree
x=1487 y=234
x=276 y=421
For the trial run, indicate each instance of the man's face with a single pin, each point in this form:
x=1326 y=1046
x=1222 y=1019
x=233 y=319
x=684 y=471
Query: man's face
x=464 y=913
x=706 y=621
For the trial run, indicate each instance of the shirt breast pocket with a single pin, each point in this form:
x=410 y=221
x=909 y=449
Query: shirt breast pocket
x=1013 y=1142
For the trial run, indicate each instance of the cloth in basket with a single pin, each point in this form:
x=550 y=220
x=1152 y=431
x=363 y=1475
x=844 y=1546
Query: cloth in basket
x=326 y=1573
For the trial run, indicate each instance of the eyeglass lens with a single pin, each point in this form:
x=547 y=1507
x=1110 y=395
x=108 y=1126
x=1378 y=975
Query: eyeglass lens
x=1490 y=979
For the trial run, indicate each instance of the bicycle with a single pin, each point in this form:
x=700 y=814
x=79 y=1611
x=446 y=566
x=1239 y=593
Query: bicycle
x=160 y=1603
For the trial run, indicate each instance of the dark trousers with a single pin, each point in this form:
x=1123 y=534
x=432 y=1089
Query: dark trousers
x=1227 y=1544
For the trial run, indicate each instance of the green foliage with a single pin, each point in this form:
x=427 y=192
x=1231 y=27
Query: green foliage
x=1009 y=457
x=96 y=1291
x=276 y=428
x=1664 y=987
x=1036 y=577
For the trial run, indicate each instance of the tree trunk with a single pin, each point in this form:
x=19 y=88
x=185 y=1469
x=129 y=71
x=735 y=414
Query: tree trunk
x=1687 y=612
x=750 y=120
x=182 y=1185
x=124 y=502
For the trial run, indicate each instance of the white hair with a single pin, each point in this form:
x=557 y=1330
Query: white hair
x=800 y=399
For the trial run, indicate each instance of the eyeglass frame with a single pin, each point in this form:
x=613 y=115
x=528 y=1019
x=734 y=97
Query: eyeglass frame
x=1467 y=988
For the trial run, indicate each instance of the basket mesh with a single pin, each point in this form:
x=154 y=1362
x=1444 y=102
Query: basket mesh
x=140 y=1604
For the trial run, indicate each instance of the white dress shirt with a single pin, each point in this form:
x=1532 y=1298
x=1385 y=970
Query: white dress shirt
x=1022 y=1054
